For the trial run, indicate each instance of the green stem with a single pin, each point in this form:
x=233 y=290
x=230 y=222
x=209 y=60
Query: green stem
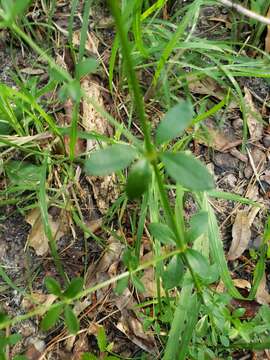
x=167 y=209
x=133 y=82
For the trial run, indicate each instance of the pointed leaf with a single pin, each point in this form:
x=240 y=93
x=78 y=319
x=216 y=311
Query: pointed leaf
x=121 y=285
x=101 y=339
x=139 y=178
x=85 y=67
x=71 y=320
x=187 y=171
x=162 y=233
x=137 y=283
x=53 y=286
x=112 y=158
x=75 y=286
x=89 y=356
x=175 y=121
x=208 y=273
x=51 y=317
x=173 y=274
x=198 y=226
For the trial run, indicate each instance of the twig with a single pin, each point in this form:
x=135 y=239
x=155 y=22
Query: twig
x=245 y=11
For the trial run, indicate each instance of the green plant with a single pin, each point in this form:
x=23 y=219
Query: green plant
x=188 y=255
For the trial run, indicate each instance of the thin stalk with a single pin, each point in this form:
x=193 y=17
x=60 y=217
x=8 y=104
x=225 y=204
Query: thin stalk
x=41 y=309
x=133 y=82
x=167 y=209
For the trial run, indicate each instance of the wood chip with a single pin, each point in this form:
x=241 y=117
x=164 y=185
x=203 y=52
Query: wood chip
x=254 y=120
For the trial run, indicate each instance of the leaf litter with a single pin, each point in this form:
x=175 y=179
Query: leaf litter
x=37 y=238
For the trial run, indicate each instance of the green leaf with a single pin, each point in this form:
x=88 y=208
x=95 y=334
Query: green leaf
x=23 y=174
x=138 y=179
x=175 y=121
x=173 y=274
x=101 y=339
x=187 y=171
x=14 y=8
x=53 y=286
x=71 y=89
x=198 y=263
x=198 y=226
x=121 y=285
x=3 y=317
x=89 y=356
x=5 y=128
x=71 y=320
x=56 y=75
x=85 y=67
x=137 y=283
x=13 y=339
x=51 y=317
x=75 y=286
x=20 y=357
x=112 y=158
x=162 y=233
x=19 y=7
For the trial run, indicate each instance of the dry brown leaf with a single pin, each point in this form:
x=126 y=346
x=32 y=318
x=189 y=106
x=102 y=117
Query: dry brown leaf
x=222 y=142
x=255 y=126
x=132 y=327
x=267 y=38
x=208 y=86
x=32 y=71
x=44 y=299
x=262 y=295
x=241 y=235
x=99 y=272
x=148 y=279
x=242 y=284
x=37 y=238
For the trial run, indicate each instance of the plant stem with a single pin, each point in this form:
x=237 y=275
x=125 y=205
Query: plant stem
x=133 y=82
x=167 y=209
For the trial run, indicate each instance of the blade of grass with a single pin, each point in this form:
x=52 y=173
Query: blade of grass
x=178 y=323
x=172 y=43
x=45 y=220
x=84 y=30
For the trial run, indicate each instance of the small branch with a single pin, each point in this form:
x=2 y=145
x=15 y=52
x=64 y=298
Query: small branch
x=241 y=9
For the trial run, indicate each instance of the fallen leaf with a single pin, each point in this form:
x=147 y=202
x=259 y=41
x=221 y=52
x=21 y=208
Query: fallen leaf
x=32 y=71
x=208 y=86
x=251 y=307
x=255 y=125
x=99 y=272
x=262 y=295
x=242 y=284
x=241 y=235
x=37 y=238
x=132 y=327
x=40 y=298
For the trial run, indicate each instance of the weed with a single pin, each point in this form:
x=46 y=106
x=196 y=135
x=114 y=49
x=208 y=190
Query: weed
x=191 y=318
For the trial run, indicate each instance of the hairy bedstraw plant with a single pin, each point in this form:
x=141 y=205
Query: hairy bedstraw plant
x=188 y=256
